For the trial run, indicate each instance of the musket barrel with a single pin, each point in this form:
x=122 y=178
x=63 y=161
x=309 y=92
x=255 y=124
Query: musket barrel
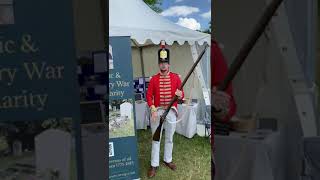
x=258 y=29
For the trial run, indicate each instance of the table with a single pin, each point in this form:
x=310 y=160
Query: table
x=240 y=158
x=142 y=114
x=188 y=116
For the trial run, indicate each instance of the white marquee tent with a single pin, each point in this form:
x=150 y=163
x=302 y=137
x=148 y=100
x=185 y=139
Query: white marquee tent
x=135 y=18
x=147 y=28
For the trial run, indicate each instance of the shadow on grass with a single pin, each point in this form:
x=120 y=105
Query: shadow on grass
x=192 y=157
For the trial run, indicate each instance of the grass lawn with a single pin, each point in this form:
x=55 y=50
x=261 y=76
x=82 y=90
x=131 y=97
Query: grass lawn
x=192 y=157
x=73 y=165
x=7 y=162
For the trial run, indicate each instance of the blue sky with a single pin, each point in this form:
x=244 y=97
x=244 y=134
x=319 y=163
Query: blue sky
x=194 y=14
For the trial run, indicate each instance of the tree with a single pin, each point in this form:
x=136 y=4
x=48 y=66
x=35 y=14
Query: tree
x=154 y=5
x=208 y=31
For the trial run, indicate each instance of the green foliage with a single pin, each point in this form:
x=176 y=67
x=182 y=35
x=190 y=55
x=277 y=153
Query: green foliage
x=64 y=124
x=154 y=5
x=208 y=31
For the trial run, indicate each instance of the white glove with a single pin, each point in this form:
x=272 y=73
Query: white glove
x=179 y=93
x=221 y=102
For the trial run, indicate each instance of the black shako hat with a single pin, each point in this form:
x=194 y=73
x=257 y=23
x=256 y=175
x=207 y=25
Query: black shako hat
x=163 y=53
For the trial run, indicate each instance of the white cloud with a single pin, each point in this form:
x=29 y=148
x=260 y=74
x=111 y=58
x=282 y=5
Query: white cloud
x=190 y=23
x=206 y=15
x=179 y=11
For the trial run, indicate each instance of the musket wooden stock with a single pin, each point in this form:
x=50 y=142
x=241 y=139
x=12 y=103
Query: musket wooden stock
x=156 y=136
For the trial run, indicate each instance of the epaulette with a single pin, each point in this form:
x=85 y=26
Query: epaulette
x=152 y=76
x=177 y=74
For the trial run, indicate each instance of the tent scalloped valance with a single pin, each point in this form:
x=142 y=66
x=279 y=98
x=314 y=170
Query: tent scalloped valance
x=146 y=27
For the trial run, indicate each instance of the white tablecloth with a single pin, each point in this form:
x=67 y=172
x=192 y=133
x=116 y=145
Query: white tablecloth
x=142 y=115
x=188 y=116
x=249 y=159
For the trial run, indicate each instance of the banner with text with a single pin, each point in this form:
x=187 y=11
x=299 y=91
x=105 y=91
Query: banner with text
x=39 y=93
x=123 y=155
x=38 y=68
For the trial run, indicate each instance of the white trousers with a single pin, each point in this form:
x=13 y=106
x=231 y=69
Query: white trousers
x=169 y=132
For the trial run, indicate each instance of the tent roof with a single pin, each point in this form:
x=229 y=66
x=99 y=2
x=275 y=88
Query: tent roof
x=134 y=18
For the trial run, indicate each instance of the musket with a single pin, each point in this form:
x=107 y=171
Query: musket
x=258 y=30
x=156 y=136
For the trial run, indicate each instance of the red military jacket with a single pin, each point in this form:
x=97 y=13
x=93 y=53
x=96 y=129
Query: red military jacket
x=219 y=69
x=162 y=89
